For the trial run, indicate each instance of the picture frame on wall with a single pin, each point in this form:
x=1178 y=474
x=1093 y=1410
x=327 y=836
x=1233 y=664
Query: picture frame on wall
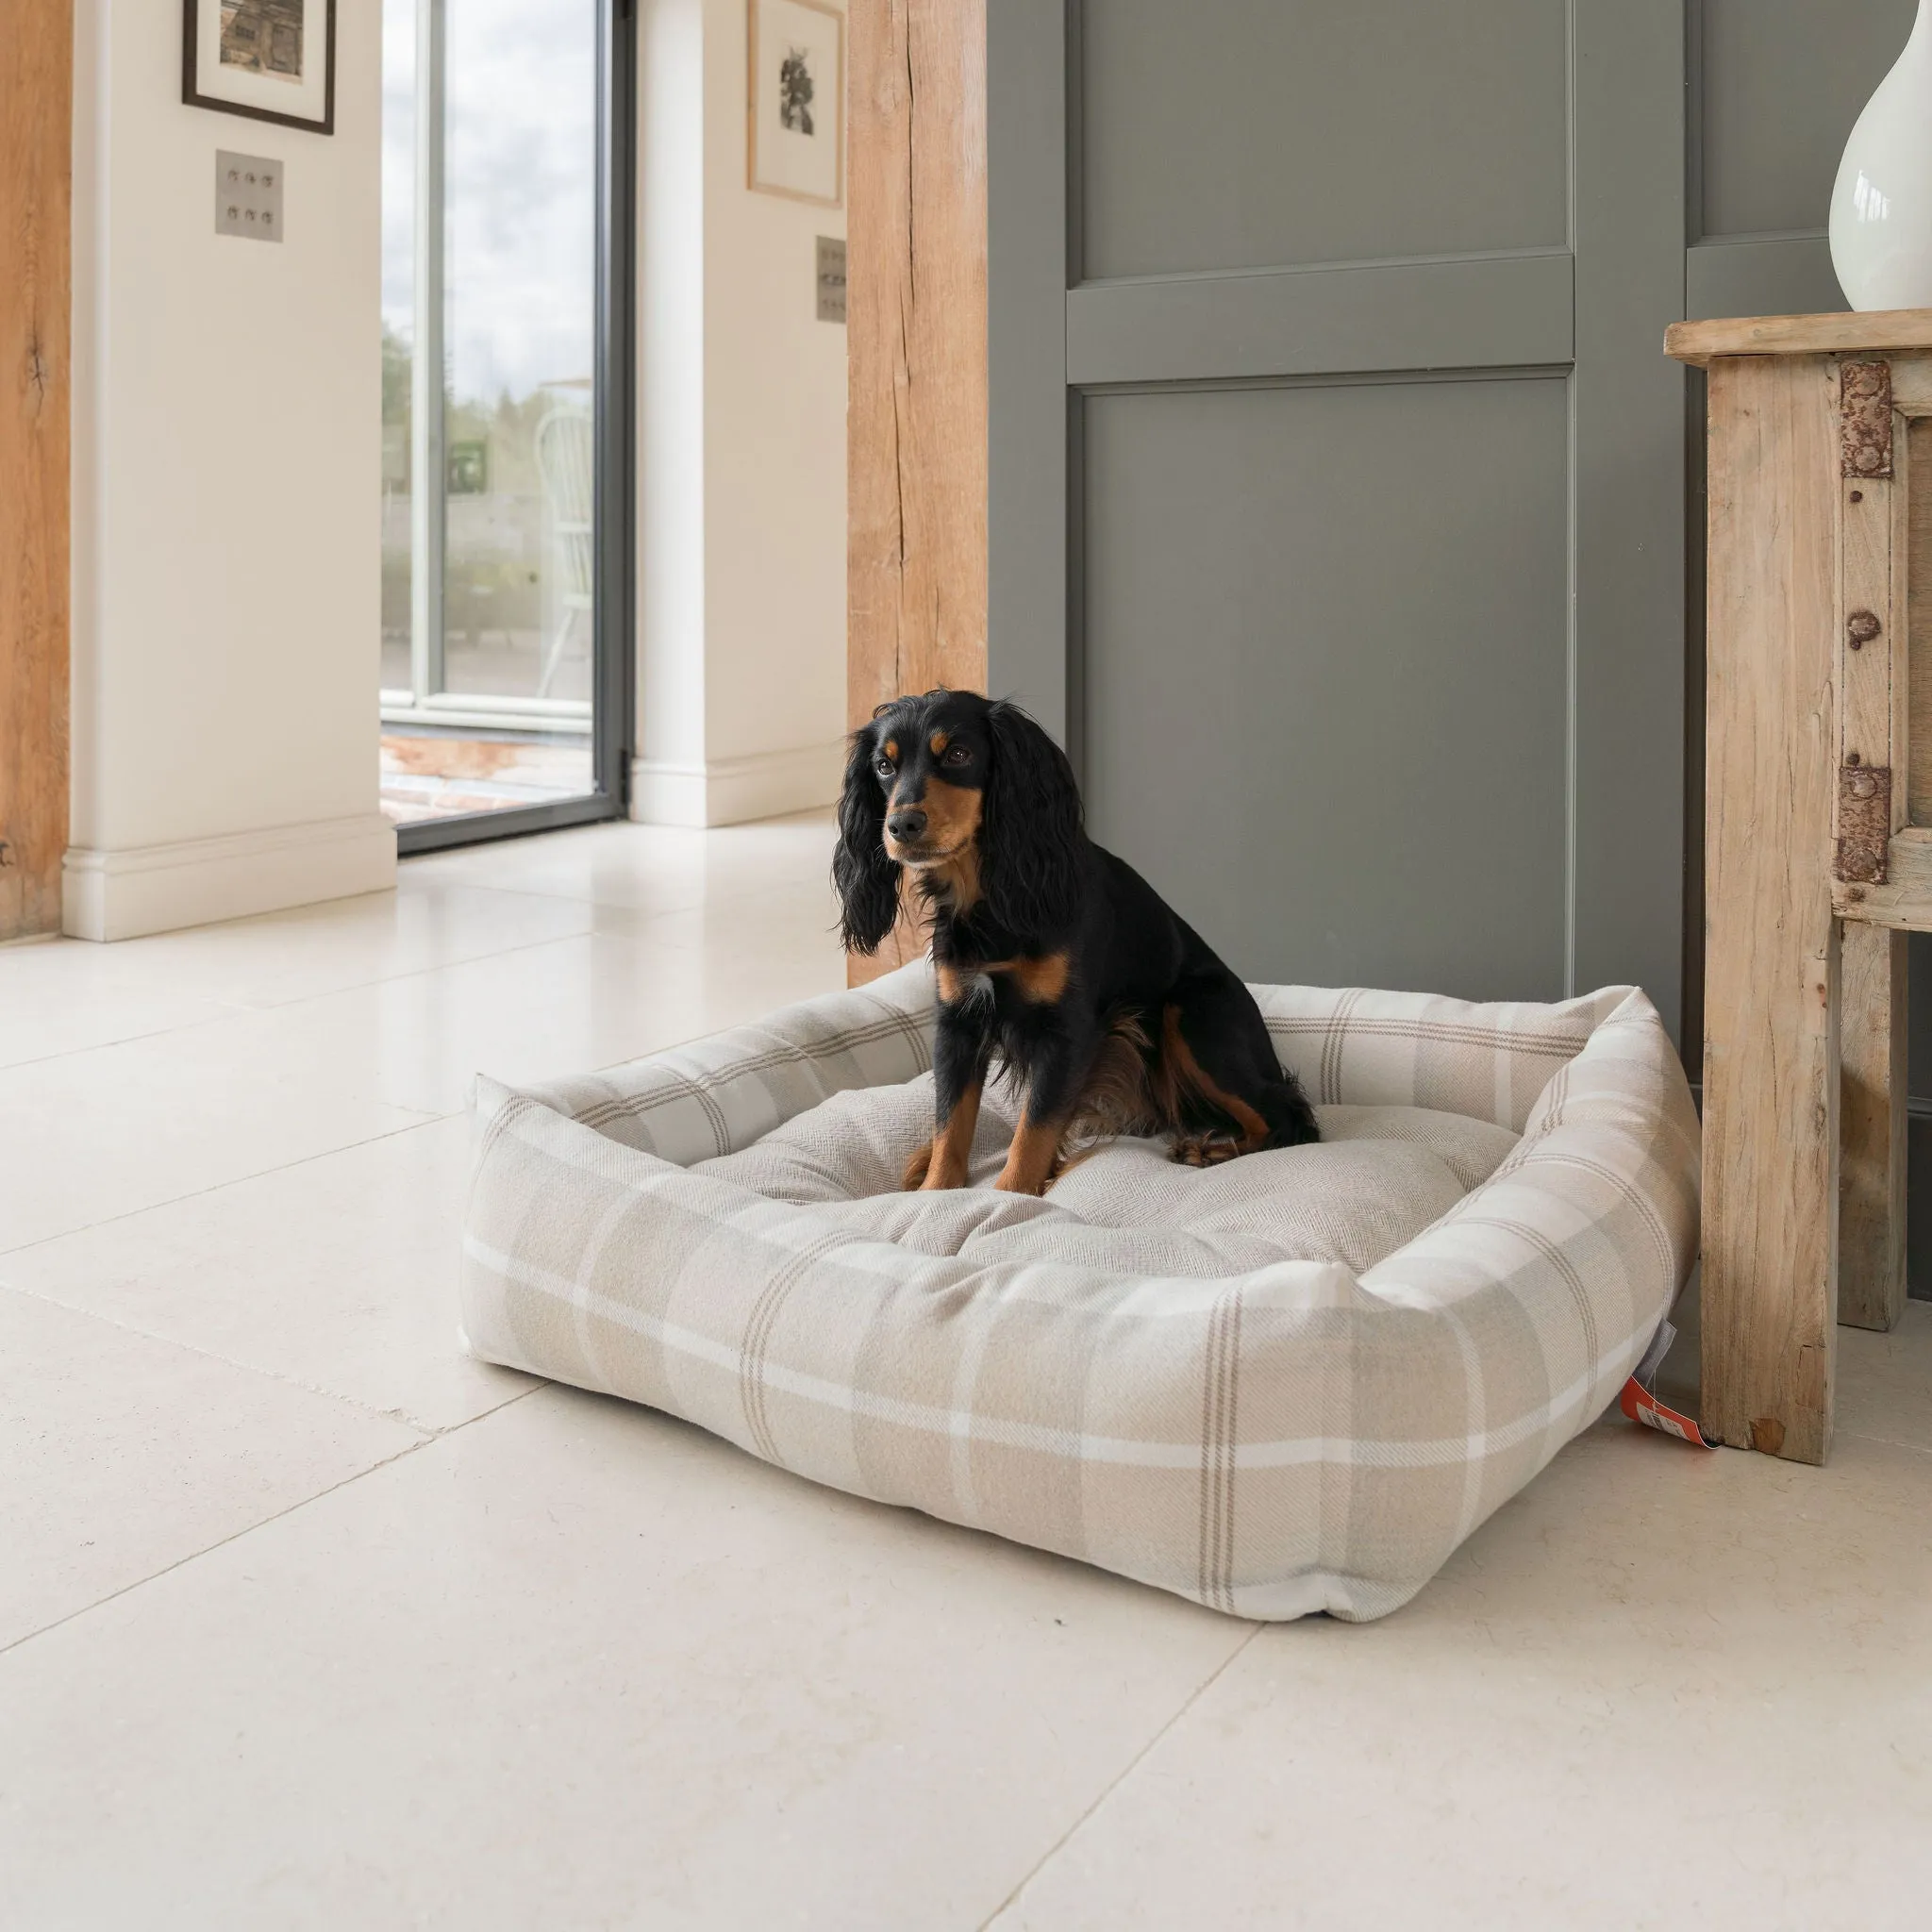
x=796 y=100
x=267 y=59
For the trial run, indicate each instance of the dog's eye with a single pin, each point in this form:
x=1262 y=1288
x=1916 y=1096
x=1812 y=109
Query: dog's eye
x=958 y=755
x=883 y=767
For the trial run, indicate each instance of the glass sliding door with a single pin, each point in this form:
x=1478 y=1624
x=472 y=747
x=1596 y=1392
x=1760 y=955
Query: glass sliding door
x=506 y=410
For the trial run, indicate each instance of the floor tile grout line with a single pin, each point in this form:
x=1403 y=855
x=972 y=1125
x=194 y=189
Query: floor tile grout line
x=1127 y=1771
x=66 y=1053
x=428 y=1430
x=428 y=1118
x=402 y=1455
x=562 y=939
x=704 y=899
x=233 y=1008
x=595 y=904
x=526 y=891
x=1885 y=1441
x=709 y=901
x=68 y=1234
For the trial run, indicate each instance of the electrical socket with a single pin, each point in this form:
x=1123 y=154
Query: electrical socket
x=831 y=278
x=248 y=196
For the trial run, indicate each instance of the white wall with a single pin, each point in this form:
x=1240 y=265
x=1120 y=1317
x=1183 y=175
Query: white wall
x=226 y=592
x=742 y=496
x=226 y=616
x=668 y=772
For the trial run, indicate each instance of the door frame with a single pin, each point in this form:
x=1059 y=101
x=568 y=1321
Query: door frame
x=36 y=333
x=613 y=711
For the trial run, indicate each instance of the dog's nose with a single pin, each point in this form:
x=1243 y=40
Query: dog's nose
x=908 y=825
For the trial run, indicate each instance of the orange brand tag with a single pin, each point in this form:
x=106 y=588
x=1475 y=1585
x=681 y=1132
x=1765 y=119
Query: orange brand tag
x=1641 y=1406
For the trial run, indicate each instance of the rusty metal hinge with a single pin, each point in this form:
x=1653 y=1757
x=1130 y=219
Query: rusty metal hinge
x=1864 y=823
x=1864 y=419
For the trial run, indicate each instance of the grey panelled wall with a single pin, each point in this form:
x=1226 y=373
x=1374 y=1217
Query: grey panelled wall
x=1277 y=826
x=1224 y=135
x=1777 y=85
x=1336 y=512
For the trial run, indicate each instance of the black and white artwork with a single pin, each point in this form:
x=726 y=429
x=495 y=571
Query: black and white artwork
x=264 y=37
x=795 y=91
x=798 y=51
x=267 y=59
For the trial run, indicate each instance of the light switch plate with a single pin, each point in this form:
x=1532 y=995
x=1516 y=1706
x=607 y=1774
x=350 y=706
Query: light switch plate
x=248 y=196
x=831 y=266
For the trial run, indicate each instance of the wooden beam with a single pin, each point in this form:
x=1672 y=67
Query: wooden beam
x=1703 y=343
x=1771 y=1061
x=1904 y=901
x=916 y=348
x=36 y=199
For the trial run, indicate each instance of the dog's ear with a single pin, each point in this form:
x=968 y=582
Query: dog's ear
x=864 y=875
x=1030 y=833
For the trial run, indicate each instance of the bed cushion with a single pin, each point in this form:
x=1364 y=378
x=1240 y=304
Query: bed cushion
x=1380 y=1175
x=1292 y=1383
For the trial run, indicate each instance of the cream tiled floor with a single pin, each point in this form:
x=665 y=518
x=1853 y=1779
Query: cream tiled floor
x=308 y=1621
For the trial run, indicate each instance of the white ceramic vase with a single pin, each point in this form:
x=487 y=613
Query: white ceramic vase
x=1881 y=208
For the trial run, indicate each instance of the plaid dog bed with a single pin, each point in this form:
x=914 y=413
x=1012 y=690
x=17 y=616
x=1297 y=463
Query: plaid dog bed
x=1268 y=1416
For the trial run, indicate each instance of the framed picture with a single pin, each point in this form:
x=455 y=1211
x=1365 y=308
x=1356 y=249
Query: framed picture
x=797 y=100
x=269 y=59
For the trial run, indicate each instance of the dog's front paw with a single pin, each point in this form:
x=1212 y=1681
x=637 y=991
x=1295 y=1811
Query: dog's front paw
x=917 y=1168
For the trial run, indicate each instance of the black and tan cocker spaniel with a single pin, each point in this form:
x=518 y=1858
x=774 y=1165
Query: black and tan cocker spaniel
x=1109 y=1011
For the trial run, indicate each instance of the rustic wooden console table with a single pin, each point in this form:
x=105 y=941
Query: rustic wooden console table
x=1818 y=844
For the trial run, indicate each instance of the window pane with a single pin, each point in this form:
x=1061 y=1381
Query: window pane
x=521 y=155
x=490 y=706
x=398 y=327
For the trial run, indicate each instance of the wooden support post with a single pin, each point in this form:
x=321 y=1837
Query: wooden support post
x=1819 y=804
x=1771 y=1059
x=1872 y=1128
x=916 y=344
x=35 y=196
x=1874 y=727
x=1912 y=533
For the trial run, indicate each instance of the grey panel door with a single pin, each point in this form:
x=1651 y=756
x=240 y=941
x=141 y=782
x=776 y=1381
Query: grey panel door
x=1337 y=498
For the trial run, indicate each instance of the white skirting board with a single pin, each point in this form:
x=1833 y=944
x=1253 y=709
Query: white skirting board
x=144 y=889
x=728 y=791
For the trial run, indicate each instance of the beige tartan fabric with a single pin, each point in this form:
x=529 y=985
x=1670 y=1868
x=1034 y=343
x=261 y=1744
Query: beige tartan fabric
x=1269 y=1441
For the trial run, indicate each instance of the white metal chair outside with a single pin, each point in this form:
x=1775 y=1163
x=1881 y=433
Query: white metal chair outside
x=565 y=447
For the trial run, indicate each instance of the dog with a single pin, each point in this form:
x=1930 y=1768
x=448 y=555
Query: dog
x=1109 y=1013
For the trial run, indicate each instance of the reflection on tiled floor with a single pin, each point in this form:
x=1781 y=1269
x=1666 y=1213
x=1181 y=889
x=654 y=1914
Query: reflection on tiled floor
x=435 y=778
x=306 y=1619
